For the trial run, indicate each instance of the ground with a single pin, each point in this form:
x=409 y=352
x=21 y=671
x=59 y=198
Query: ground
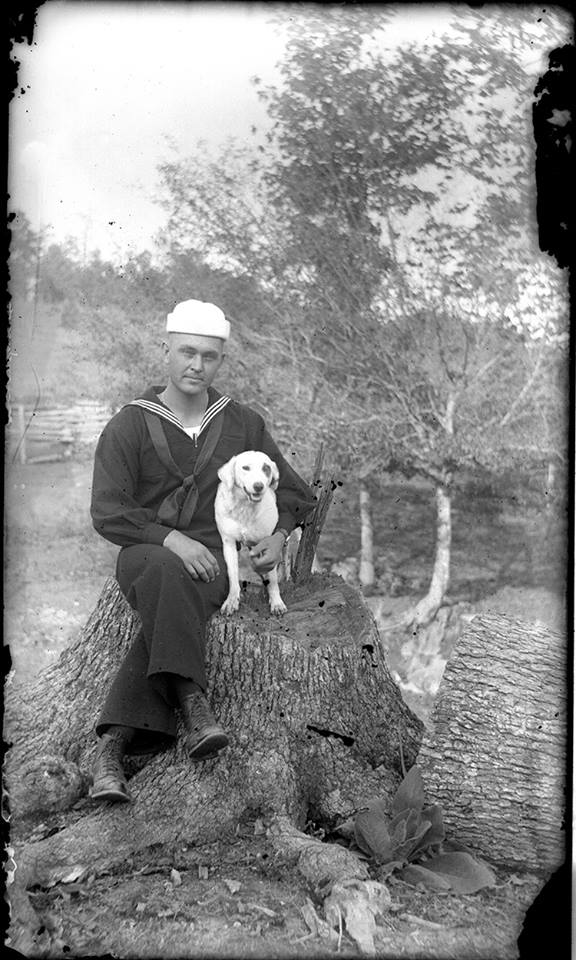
x=233 y=899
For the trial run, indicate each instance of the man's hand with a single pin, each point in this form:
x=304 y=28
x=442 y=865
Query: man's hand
x=199 y=562
x=267 y=554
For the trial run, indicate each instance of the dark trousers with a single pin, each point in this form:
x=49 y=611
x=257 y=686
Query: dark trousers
x=174 y=609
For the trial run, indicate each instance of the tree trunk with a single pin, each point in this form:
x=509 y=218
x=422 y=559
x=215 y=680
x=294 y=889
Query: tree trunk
x=324 y=486
x=313 y=714
x=550 y=485
x=426 y=609
x=366 y=574
x=496 y=756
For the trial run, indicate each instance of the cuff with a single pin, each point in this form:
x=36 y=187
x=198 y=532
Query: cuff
x=285 y=522
x=155 y=533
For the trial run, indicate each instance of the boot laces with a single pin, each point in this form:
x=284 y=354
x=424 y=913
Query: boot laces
x=198 y=713
x=108 y=759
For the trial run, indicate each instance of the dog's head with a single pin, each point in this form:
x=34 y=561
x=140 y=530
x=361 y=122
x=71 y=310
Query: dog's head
x=251 y=471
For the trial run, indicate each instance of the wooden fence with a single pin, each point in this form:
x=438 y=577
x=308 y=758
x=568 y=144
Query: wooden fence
x=54 y=433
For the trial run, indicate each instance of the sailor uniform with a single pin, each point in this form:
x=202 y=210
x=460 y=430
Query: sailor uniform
x=151 y=477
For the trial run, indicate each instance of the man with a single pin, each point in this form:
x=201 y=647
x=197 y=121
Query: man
x=155 y=480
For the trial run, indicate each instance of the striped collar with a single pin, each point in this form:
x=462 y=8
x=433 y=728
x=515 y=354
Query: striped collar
x=155 y=406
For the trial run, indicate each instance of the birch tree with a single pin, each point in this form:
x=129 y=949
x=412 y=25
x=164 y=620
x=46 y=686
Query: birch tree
x=405 y=184
x=385 y=221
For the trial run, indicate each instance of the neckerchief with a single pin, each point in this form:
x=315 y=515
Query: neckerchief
x=177 y=508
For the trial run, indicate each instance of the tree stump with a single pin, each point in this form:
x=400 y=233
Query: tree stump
x=313 y=715
x=495 y=758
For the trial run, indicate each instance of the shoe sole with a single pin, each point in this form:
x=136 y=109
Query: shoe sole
x=209 y=748
x=114 y=795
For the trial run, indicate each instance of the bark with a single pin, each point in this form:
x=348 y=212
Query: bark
x=314 y=717
x=495 y=758
x=366 y=574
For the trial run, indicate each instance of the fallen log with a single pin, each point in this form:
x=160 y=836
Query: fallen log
x=495 y=756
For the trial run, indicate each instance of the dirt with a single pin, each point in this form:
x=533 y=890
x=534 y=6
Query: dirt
x=233 y=899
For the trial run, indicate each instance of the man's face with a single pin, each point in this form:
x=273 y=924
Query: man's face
x=193 y=361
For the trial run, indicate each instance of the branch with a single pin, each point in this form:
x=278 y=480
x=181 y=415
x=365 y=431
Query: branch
x=512 y=409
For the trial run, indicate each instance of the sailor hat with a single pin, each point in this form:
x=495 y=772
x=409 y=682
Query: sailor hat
x=199 y=319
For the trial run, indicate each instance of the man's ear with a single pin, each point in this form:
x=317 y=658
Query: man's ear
x=275 y=476
x=226 y=473
x=165 y=350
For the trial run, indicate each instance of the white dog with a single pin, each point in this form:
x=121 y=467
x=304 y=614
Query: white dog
x=245 y=511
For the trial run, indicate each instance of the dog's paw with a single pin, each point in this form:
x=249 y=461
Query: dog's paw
x=278 y=608
x=230 y=606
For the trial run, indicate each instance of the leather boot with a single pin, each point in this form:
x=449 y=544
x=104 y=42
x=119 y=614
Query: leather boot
x=108 y=780
x=205 y=736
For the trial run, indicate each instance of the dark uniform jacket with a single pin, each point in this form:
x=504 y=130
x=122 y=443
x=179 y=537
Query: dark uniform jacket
x=131 y=481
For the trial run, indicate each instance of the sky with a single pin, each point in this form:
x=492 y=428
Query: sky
x=106 y=83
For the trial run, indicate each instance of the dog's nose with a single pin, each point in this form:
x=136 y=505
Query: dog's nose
x=258 y=487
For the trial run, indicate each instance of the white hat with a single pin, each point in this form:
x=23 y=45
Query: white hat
x=198 y=318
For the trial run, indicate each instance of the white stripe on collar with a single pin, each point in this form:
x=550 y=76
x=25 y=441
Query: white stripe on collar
x=167 y=414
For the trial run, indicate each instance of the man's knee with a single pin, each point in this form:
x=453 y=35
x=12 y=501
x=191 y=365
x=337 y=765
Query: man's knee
x=150 y=562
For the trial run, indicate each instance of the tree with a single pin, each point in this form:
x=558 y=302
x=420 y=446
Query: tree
x=315 y=721
x=391 y=289
x=462 y=390
x=357 y=139
x=25 y=249
x=316 y=745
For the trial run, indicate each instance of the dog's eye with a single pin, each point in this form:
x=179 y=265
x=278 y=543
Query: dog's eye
x=245 y=468
x=266 y=470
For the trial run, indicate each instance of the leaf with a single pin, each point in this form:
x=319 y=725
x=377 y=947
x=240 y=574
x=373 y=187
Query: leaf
x=261 y=909
x=74 y=874
x=415 y=874
x=398 y=827
x=404 y=850
x=410 y=793
x=385 y=869
x=233 y=885
x=372 y=835
x=453 y=846
x=463 y=872
x=413 y=823
x=346 y=829
x=434 y=833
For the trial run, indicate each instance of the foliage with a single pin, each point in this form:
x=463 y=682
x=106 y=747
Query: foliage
x=375 y=250
x=410 y=841
x=25 y=246
x=391 y=186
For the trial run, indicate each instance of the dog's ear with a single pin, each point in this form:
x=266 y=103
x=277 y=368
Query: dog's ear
x=226 y=473
x=275 y=476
